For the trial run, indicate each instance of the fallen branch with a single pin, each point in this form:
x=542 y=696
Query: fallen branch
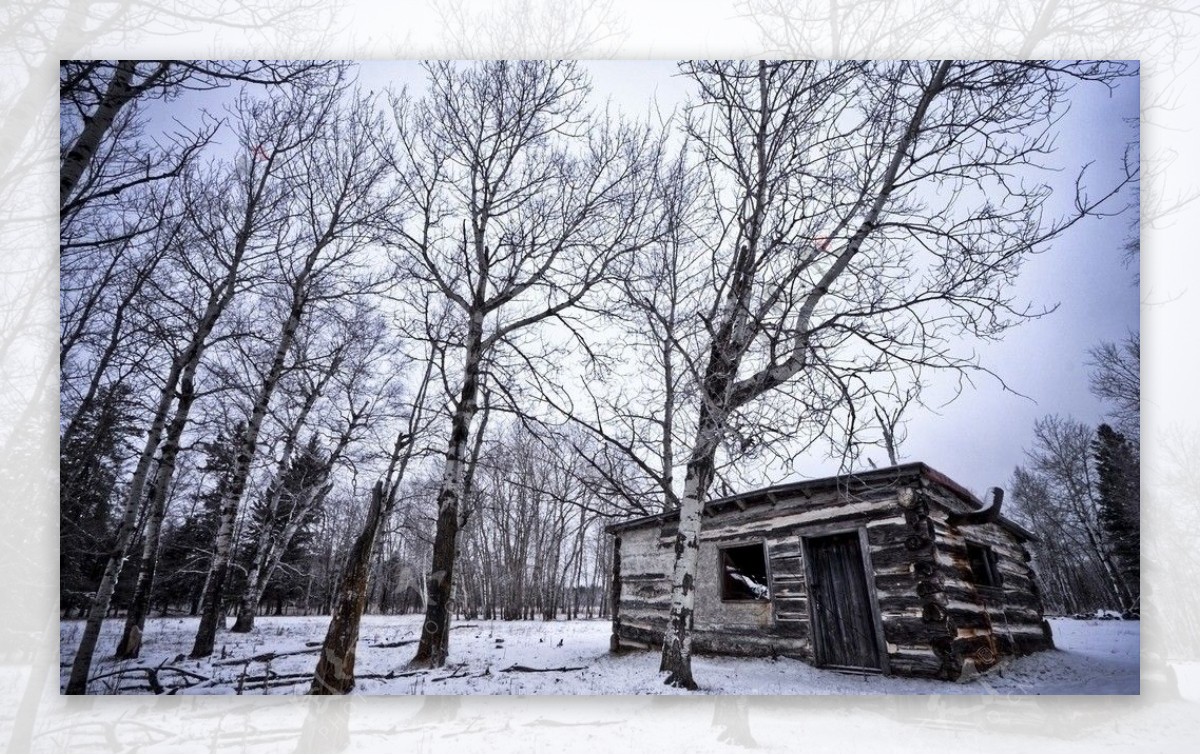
x=531 y=670
x=265 y=657
x=458 y=673
x=184 y=672
x=397 y=644
x=284 y=680
x=402 y=643
x=152 y=680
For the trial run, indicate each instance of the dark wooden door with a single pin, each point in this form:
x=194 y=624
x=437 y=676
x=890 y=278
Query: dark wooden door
x=843 y=615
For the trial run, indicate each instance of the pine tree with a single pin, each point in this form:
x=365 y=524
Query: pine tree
x=187 y=546
x=281 y=526
x=90 y=465
x=1120 y=504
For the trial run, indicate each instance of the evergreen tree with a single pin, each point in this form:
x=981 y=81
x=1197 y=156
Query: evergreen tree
x=281 y=524
x=90 y=463
x=1120 y=504
x=188 y=544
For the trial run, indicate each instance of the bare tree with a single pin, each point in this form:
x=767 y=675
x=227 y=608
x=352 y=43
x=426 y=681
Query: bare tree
x=1057 y=490
x=356 y=369
x=336 y=196
x=335 y=666
x=866 y=219
x=95 y=93
x=242 y=200
x=525 y=204
x=635 y=395
x=1116 y=377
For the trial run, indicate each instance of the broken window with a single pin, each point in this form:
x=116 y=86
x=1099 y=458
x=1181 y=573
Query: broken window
x=744 y=573
x=982 y=561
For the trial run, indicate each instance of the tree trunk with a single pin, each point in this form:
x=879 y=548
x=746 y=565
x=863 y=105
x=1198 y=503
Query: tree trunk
x=260 y=570
x=135 y=620
x=82 y=663
x=731 y=717
x=268 y=557
x=231 y=500
x=677 y=643
x=119 y=92
x=110 y=348
x=435 y=632
x=218 y=300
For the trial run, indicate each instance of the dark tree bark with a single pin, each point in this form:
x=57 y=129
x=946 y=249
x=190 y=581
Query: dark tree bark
x=435 y=632
x=335 y=668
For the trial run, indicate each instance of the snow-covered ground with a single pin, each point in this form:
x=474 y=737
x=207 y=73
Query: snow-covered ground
x=1093 y=657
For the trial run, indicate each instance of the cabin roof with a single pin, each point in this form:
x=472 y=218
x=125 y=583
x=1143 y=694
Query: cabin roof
x=888 y=476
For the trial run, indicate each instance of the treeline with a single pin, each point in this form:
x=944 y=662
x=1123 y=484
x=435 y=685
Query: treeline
x=1079 y=491
x=535 y=548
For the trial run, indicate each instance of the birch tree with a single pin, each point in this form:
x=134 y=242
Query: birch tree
x=336 y=197
x=240 y=205
x=95 y=94
x=869 y=217
x=360 y=379
x=525 y=204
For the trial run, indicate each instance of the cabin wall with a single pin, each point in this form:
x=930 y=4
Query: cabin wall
x=989 y=622
x=780 y=626
x=904 y=561
x=643 y=601
x=979 y=625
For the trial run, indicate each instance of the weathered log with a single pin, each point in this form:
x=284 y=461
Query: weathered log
x=933 y=613
x=925 y=569
x=265 y=657
x=531 y=670
x=988 y=515
x=917 y=543
x=929 y=587
x=912 y=631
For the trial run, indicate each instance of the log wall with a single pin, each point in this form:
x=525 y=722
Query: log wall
x=987 y=623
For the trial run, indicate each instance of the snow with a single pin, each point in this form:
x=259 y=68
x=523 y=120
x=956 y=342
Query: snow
x=1093 y=658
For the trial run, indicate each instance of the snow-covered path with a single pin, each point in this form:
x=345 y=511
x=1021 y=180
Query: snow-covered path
x=1093 y=657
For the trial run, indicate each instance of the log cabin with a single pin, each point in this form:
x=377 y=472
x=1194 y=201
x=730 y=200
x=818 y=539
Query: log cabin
x=897 y=571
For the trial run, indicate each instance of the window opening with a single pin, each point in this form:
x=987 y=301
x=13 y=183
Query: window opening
x=744 y=573
x=982 y=561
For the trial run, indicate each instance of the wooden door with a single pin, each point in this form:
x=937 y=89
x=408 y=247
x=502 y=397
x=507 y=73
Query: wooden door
x=842 y=611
